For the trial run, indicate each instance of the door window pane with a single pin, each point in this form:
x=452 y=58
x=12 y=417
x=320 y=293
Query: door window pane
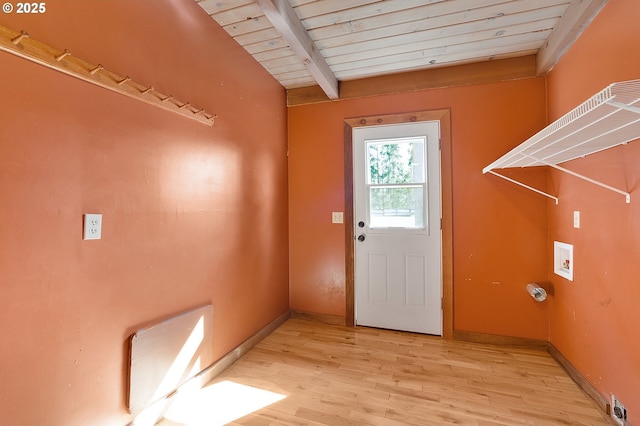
x=396 y=161
x=397 y=207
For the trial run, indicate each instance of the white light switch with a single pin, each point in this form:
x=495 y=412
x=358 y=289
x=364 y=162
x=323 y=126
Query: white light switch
x=92 y=226
x=336 y=217
x=576 y=219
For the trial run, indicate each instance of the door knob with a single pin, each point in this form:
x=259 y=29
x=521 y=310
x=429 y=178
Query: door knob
x=361 y=237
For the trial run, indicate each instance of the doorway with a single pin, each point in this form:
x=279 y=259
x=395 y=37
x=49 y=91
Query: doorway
x=397 y=225
x=442 y=119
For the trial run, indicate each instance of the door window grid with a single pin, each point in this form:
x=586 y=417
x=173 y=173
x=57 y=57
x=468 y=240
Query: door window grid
x=396 y=182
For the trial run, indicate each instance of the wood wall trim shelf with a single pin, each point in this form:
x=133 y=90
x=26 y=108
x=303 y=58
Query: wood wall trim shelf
x=20 y=44
x=609 y=118
x=459 y=75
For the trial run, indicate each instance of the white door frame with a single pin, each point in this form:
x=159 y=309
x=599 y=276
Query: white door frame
x=444 y=117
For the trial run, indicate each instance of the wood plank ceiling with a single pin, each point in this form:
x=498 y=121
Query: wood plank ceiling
x=322 y=42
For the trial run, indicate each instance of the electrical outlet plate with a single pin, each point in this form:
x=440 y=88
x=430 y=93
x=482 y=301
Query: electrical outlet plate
x=92 y=226
x=618 y=412
x=337 y=217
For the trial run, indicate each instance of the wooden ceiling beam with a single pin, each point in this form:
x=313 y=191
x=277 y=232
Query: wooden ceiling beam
x=574 y=20
x=282 y=16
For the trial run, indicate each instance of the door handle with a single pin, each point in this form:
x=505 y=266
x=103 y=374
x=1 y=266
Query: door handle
x=361 y=237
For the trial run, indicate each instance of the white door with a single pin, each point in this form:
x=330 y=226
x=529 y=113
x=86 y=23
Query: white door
x=398 y=260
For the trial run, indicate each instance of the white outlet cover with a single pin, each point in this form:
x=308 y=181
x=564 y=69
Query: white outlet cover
x=92 y=226
x=337 y=217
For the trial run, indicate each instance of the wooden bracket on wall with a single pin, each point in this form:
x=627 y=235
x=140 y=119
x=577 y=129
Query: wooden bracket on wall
x=20 y=44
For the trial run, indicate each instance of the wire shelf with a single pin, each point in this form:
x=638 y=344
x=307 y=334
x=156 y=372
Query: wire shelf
x=609 y=118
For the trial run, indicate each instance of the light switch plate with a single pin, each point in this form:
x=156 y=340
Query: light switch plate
x=576 y=219
x=92 y=226
x=337 y=217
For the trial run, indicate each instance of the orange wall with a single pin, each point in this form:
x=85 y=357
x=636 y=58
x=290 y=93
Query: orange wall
x=192 y=214
x=595 y=320
x=499 y=230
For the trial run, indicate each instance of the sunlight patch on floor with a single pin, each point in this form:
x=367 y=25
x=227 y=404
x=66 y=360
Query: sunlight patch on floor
x=217 y=404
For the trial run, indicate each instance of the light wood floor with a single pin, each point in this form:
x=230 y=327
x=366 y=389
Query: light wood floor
x=337 y=375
